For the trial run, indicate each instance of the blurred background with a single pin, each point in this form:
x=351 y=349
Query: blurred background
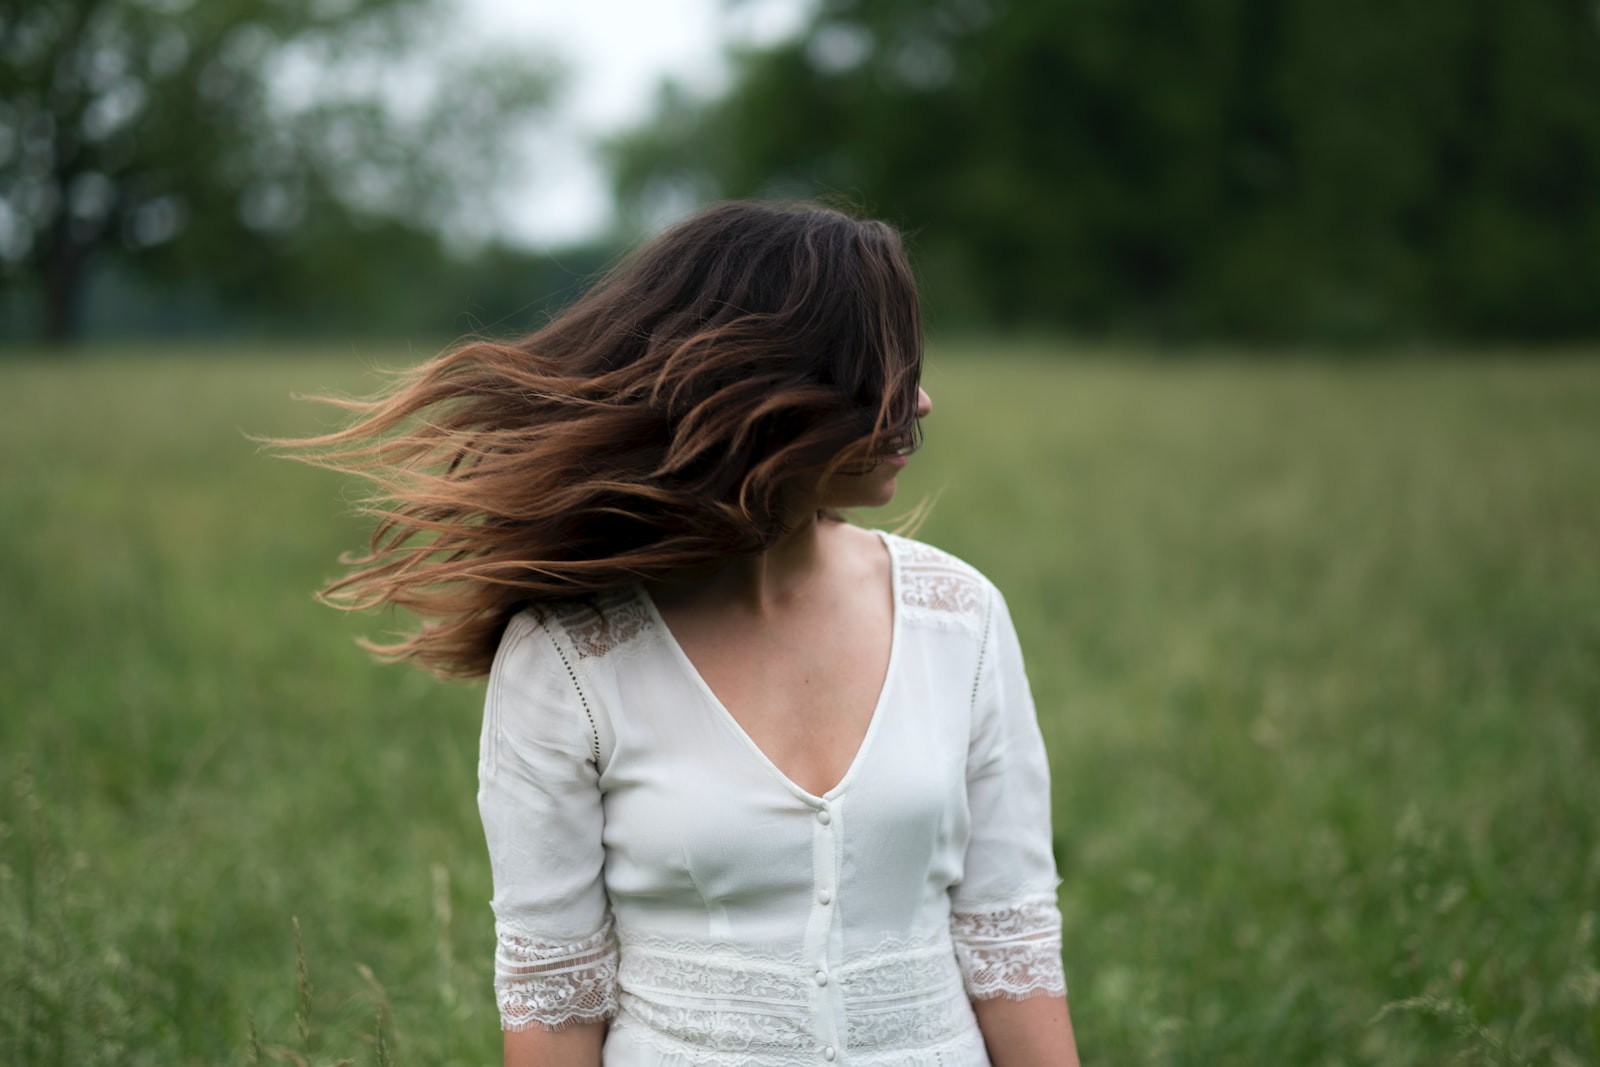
x=1263 y=342
x=1231 y=169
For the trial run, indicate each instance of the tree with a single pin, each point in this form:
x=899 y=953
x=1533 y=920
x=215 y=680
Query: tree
x=1263 y=168
x=237 y=140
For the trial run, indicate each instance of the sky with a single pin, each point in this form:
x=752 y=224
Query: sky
x=616 y=53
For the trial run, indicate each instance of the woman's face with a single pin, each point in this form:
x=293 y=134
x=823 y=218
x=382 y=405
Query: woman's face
x=870 y=488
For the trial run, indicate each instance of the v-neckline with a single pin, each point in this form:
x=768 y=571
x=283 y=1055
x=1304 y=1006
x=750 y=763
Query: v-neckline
x=721 y=710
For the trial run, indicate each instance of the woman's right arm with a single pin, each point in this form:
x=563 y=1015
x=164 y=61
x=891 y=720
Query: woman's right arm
x=576 y=1046
x=539 y=796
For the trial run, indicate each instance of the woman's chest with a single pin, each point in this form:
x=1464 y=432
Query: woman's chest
x=803 y=688
x=696 y=811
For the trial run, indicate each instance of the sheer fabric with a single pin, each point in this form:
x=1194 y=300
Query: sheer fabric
x=653 y=868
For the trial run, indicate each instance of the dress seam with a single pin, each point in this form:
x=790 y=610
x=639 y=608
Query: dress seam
x=583 y=698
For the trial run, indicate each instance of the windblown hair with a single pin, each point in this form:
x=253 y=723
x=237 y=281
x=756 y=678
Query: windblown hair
x=676 y=415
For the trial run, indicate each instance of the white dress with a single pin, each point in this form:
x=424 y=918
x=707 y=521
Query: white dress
x=653 y=867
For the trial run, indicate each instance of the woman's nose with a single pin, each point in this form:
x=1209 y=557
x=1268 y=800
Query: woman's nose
x=924 y=403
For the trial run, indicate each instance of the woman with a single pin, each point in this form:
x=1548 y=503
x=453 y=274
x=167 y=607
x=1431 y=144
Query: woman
x=760 y=787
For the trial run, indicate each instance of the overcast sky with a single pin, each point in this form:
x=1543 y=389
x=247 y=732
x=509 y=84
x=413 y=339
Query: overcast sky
x=616 y=51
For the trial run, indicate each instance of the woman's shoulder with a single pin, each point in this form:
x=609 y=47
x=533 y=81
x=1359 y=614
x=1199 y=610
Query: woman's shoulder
x=908 y=551
x=583 y=628
x=554 y=668
x=938 y=586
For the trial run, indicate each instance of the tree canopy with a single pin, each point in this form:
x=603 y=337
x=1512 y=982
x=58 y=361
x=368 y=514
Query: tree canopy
x=1267 y=168
x=269 y=148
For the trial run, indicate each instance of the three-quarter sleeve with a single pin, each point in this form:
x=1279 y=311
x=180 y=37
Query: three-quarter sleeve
x=1004 y=917
x=539 y=797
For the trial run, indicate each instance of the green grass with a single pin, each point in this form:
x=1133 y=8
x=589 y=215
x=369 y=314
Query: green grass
x=1316 y=647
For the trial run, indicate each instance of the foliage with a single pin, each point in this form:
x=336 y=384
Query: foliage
x=395 y=282
x=1316 y=646
x=254 y=145
x=1250 y=168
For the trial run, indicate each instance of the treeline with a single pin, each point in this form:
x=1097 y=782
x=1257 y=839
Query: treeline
x=1364 y=170
x=295 y=166
x=386 y=281
x=1360 y=169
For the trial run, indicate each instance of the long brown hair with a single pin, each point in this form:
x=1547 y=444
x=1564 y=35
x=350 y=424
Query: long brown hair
x=672 y=416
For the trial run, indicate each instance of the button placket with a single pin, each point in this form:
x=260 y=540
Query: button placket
x=821 y=936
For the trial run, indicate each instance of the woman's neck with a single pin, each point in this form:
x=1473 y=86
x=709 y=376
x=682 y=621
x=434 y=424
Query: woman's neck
x=760 y=583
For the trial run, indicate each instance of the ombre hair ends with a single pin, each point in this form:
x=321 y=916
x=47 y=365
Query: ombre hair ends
x=680 y=413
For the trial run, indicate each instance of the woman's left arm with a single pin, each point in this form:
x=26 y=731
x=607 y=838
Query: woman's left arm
x=1004 y=916
x=1036 y=1032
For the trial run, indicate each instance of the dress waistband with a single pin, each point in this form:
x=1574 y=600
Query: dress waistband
x=709 y=997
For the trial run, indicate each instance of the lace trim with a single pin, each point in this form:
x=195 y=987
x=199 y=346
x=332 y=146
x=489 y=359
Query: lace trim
x=940 y=589
x=900 y=969
x=909 y=1026
x=706 y=1001
x=602 y=624
x=554 y=984
x=964 y=1047
x=1010 y=951
x=917 y=1001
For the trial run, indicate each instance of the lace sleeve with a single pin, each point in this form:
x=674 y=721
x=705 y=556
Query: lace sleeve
x=1004 y=919
x=539 y=796
x=554 y=984
x=1010 y=951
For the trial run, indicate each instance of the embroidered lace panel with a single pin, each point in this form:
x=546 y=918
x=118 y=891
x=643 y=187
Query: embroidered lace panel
x=554 y=984
x=725 y=1005
x=1010 y=951
x=939 y=589
x=915 y=1001
x=604 y=623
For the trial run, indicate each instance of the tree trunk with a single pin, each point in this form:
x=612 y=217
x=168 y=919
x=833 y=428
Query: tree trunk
x=64 y=278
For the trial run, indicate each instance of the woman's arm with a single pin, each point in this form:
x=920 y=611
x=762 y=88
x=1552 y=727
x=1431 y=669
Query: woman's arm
x=555 y=950
x=1004 y=916
x=1036 y=1032
x=574 y=1046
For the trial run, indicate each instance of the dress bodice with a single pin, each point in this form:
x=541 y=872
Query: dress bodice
x=653 y=867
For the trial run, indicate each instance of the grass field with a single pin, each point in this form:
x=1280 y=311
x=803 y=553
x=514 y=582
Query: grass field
x=1316 y=647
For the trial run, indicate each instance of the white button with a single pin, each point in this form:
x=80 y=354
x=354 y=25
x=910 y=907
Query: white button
x=824 y=896
x=828 y=1053
x=822 y=977
x=823 y=817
